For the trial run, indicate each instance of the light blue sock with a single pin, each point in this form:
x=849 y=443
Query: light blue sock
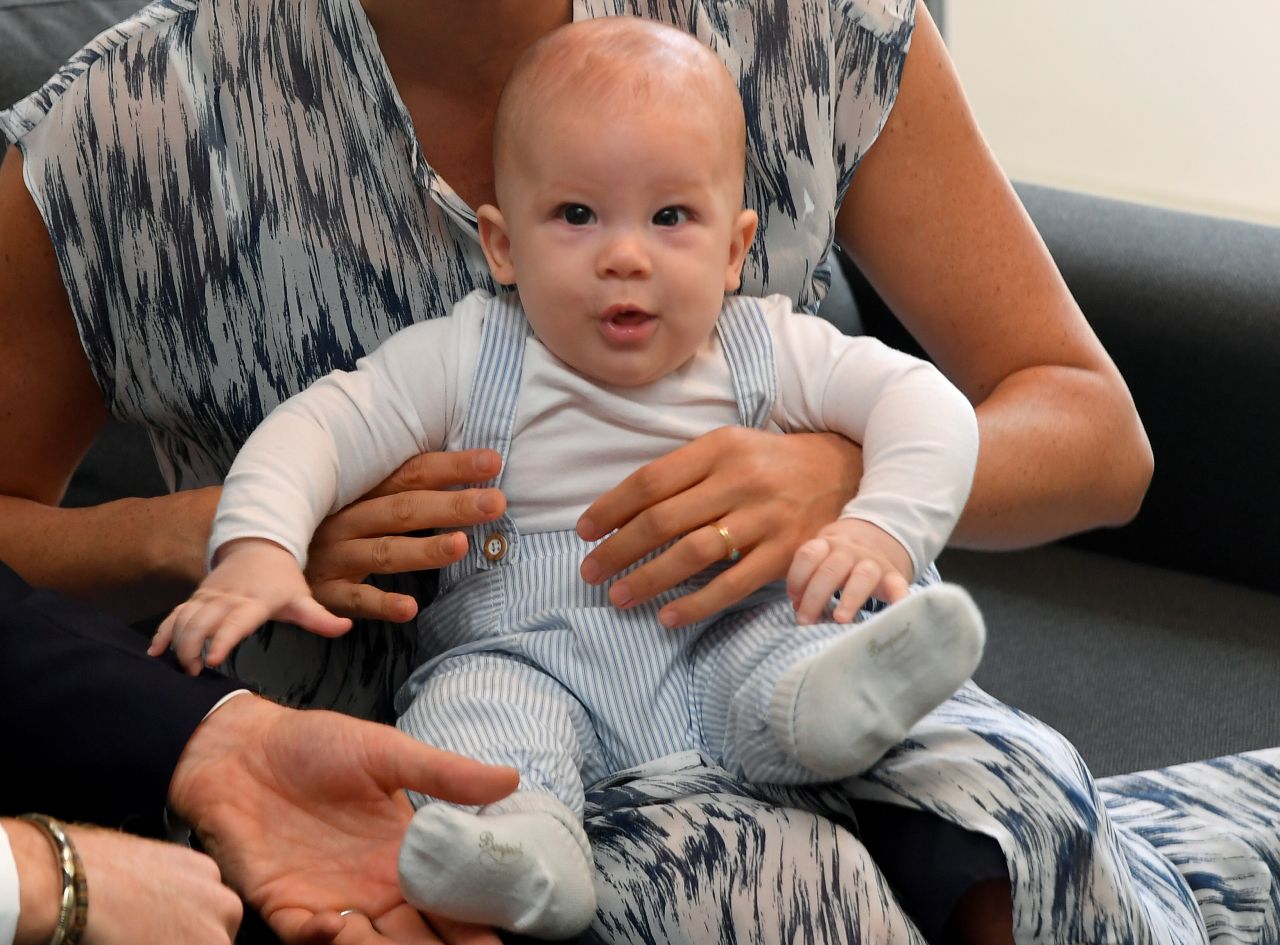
x=522 y=864
x=840 y=711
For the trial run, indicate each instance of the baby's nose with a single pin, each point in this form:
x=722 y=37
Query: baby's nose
x=624 y=257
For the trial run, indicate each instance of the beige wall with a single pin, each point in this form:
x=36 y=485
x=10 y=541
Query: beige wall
x=1170 y=102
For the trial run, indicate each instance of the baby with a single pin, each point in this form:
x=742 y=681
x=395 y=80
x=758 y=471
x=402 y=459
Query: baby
x=619 y=160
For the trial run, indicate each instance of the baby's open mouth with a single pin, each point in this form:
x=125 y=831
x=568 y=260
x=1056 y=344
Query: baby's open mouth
x=631 y=316
x=625 y=324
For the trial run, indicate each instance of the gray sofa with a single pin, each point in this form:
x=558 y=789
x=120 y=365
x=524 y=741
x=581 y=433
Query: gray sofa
x=1147 y=645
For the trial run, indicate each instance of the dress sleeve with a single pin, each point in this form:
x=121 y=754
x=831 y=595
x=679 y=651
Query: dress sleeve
x=868 y=47
x=9 y=904
x=74 y=148
x=22 y=117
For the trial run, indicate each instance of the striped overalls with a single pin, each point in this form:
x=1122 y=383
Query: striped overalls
x=545 y=674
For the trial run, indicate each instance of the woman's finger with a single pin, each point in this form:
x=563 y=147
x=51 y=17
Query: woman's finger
x=337 y=574
x=653 y=527
x=387 y=554
x=404 y=512
x=665 y=477
x=763 y=481
x=691 y=555
x=432 y=472
x=755 y=569
x=359 y=601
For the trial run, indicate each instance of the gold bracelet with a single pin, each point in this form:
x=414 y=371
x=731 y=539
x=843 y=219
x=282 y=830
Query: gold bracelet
x=74 y=911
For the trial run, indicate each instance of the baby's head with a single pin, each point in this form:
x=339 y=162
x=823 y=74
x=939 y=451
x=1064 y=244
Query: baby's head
x=619 y=158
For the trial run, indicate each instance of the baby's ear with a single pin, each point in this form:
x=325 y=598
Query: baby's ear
x=496 y=244
x=743 y=232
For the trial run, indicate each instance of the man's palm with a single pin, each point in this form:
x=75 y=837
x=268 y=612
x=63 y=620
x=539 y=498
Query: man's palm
x=305 y=812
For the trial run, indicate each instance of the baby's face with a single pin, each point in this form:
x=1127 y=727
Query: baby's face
x=623 y=231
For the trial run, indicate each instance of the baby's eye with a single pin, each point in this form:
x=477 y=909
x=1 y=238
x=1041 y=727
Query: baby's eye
x=670 y=216
x=575 y=214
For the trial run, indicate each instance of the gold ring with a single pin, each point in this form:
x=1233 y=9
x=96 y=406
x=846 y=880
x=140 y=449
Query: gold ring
x=730 y=549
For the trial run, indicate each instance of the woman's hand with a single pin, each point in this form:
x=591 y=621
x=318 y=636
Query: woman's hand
x=373 y=535
x=770 y=492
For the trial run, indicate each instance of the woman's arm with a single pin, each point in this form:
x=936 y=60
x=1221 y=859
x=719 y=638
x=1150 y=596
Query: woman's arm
x=139 y=557
x=133 y=556
x=934 y=224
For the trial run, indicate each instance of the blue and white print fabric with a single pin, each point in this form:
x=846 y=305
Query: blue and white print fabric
x=1187 y=855
x=240 y=204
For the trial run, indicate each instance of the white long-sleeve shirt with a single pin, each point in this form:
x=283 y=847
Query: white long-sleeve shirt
x=10 y=906
x=575 y=438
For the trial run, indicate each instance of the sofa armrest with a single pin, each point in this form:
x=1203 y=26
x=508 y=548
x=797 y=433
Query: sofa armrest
x=1189 y=308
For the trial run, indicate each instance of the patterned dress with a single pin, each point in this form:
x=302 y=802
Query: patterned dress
x=240 y=204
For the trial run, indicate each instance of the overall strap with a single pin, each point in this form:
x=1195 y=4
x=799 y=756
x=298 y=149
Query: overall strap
x=748 y=348
x=491 y=414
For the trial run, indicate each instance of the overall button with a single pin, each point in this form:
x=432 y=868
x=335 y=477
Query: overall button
x=495 y=546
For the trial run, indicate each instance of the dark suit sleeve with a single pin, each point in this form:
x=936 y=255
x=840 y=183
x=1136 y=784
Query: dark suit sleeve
x=90 y=726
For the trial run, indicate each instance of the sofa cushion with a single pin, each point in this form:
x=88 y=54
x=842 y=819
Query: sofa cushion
x=1138 y=666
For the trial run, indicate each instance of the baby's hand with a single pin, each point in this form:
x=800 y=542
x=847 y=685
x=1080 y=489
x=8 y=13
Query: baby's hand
x=254 y=581
x=850 y=556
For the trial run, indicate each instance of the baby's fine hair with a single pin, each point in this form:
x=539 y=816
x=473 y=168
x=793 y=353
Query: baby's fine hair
x=617 y=62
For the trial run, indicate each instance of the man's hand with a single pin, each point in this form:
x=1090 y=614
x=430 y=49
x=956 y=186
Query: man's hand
x=305 y=811
x=143 y=892
x=770 y=492
x=372 y=536
x=850 y=556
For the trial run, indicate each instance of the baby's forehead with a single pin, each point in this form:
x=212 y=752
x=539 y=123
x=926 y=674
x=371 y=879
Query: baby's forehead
x=599 y=73
x=616 y=62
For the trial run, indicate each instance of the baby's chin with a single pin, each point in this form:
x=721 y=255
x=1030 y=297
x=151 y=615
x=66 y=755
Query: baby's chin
x=624 y=371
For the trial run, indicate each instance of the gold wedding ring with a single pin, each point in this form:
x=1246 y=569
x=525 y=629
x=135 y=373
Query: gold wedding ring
x=731 y=552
